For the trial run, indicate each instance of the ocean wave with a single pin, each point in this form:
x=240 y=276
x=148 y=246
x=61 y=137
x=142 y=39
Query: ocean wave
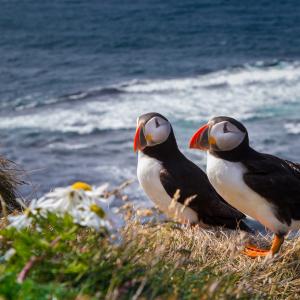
x=63 y=146
x=293 y=128
x=96 y=92
x=258 y=73
x=247 y=92
x=38 y=100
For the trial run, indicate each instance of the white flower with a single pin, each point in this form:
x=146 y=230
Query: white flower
x=93 y=213
x=19 y=221
x=25 y=219
x=62 y=200
x=88 y=217
x=84 y=203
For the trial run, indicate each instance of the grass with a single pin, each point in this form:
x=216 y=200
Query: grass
x=61 y=260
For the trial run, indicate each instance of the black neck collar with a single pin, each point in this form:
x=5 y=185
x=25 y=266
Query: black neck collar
x=164 y=151
x=236 y=155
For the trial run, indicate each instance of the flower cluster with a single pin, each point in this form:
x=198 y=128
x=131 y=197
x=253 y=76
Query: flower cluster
x=89 y=206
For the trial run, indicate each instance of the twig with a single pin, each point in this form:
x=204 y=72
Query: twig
x=4 y=208
x=140 y=289
x=117 y=191
x=22 y=275
x=32 y=261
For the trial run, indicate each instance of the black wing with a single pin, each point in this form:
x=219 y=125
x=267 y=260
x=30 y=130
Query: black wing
x=278 y=181
x=191 y=181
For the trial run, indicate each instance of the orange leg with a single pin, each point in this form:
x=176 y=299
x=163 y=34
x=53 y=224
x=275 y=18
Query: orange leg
x=255 y=252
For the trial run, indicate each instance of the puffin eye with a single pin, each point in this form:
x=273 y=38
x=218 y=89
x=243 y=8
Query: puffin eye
x=225 y=128
x=156 y=123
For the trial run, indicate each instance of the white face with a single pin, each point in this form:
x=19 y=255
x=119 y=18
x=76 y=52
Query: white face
x=156 y=131
x=226 y=135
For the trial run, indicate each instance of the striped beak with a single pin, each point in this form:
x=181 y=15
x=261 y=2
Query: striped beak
x=200 y=139
x=139 y=142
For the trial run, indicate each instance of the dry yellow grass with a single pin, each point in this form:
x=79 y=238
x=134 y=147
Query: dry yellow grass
x=198 y=249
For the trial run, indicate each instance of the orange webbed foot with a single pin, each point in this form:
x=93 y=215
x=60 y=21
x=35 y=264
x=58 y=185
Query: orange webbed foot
x=253 y=251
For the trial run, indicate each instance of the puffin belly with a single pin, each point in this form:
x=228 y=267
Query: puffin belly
x=227 y=178
x=148 y=173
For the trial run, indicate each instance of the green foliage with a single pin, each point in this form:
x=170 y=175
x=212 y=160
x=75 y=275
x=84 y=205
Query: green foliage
x=32 y=290
x=70 y=260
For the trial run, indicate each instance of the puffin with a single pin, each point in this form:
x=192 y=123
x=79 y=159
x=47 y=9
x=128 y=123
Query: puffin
x=179 y=188
x=262 y=186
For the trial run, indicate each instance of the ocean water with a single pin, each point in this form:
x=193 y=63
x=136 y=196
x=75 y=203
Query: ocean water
x=75 y=75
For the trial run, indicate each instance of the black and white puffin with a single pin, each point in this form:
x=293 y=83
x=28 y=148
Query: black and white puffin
x=163 y=169
x=260 y=185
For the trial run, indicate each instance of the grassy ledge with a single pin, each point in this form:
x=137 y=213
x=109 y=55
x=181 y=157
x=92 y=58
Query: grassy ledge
x=57 y=259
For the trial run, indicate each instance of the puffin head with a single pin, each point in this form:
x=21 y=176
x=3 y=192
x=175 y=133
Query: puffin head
x=221 y=136
x=153 y=132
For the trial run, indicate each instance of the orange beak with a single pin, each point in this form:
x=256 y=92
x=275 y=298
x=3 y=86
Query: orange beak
x=200 y=139
x=139 y=142
x=136 y=141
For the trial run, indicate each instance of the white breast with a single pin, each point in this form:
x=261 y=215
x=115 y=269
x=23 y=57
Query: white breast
x=227 y=178
x=148 y=173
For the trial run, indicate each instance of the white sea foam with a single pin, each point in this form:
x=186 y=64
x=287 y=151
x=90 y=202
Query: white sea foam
x=251 y=91
x=292 y=128
x=234 y=77
x=65 y=146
